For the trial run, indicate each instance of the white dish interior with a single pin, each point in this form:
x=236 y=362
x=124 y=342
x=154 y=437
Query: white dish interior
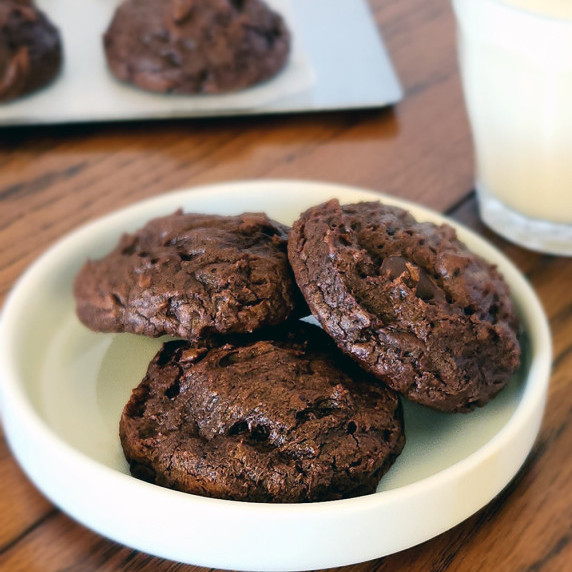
x=63 y=388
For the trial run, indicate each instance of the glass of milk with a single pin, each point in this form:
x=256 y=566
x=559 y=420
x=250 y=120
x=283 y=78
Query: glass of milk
x=516 y=67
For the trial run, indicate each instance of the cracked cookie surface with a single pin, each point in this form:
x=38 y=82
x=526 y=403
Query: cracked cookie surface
x=196 y=46
x=285 y=418
x=408 y=301
x=191 y=275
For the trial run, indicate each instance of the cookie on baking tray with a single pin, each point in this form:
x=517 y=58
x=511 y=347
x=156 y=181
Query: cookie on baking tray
x=191 y=275
x=283 y=417
x=196 y=46
x=408 y=301
x=30 y=49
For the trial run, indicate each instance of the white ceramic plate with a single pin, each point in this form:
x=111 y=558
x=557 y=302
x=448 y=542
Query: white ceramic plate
x=63 y=388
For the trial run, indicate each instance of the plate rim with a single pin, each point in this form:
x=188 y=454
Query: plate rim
x=531 y=400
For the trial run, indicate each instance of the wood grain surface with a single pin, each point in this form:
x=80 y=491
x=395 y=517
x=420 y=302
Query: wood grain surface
x=54 y=179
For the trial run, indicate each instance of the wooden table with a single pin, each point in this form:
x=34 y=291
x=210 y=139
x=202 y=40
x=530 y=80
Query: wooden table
x=53 y=179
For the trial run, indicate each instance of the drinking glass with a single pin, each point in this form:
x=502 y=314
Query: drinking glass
x=515 y=58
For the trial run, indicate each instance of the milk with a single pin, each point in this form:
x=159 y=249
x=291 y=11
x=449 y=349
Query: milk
x=552 y=8
x=516 y=66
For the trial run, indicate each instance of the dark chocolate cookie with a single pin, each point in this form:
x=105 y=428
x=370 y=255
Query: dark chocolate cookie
x=30 y=49
x=191 y=275
x=196 y=46
x=283 y=419
x=408 y=301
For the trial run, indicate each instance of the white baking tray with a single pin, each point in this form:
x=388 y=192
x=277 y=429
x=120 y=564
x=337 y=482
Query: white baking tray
x=338 y=61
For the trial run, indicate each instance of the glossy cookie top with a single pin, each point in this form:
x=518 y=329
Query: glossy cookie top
x=408 y=301
x=191 y=275
x=283 y=417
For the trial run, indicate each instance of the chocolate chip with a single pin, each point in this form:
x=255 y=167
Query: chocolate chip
x=394 y=266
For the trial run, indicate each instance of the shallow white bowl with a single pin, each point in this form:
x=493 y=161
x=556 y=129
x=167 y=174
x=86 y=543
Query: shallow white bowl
x=63 y=388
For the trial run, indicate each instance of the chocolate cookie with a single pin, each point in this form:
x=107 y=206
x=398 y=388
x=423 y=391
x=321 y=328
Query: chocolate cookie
x=408 y=301
x=191 y=275
x=30 y=49
x=283 y=419
x=196 y=46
